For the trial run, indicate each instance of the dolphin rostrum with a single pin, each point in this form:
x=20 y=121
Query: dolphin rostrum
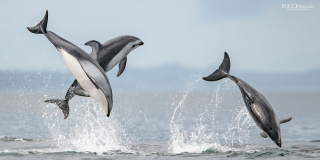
x=258 y=106
x=108 y=55
x=88 y=73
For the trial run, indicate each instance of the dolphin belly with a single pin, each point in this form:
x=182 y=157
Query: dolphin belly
x=83 y=79
x=258 y=114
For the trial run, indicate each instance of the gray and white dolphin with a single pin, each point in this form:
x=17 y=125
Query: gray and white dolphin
x=88 y=73
x=258 y=106
x=108 y=55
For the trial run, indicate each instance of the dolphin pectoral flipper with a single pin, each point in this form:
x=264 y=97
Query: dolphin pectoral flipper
x=264 y=135
x=122 y=66
x=285 y=120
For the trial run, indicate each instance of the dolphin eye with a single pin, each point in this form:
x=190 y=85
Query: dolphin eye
x=270 y=129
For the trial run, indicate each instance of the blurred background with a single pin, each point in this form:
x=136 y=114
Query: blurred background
x=162 y=107
x=270 y=47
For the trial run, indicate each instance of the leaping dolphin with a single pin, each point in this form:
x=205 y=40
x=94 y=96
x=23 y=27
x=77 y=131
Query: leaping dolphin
x=258 y=106
x=88 y=73
x=108 y=55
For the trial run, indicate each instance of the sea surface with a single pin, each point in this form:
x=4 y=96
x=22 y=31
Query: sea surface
x=191 y=123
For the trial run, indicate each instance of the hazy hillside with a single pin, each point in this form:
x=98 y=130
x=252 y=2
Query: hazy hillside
x=163 y=78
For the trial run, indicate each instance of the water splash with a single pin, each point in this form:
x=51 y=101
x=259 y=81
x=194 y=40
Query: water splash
x=179 y=138
x=180 y=104
x=207 y=131
x=86 y=129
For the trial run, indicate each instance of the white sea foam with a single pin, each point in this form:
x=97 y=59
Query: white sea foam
x=86 y=129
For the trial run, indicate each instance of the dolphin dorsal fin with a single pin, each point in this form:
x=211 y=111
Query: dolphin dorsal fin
x=95 y=45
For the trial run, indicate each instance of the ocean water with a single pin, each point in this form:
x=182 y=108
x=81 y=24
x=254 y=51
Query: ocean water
x=191 y=123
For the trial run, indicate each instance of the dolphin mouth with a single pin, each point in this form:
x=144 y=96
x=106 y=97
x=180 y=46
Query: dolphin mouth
x=279 y=143
x=137 y=45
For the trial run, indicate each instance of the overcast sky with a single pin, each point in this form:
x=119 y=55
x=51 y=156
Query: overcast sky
x=258 y=35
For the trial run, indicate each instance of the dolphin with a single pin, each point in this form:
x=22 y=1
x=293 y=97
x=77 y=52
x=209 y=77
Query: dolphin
x=88 y=73
x=114 y=51
x=108 y=55
x=258 y=106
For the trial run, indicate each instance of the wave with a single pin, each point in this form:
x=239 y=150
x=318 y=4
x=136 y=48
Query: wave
x=7 y=139
x=88 y=132
x=290 y=152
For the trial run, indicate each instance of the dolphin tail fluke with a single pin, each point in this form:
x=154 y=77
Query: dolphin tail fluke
x=41 y=27
x=63 y=105
x=223 y=70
